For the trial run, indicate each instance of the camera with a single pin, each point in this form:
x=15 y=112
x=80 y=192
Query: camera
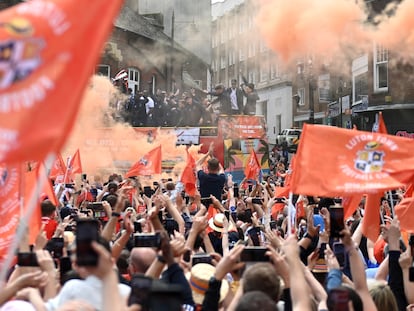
x=28 y=259
x=147 y=240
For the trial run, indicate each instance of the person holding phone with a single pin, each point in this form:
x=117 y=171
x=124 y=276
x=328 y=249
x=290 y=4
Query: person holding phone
x=212 y=182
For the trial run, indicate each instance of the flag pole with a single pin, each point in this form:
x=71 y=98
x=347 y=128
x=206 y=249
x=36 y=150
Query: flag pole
x=389 y=192
x=289 y=225
x=24 y=220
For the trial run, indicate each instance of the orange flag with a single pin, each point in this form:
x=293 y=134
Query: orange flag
x=252 y=169
x=48 y=54
x=188 y=177
x=149 y=164
x=350 y=162
x=405 y=212
x=371 y=221
x=58 y=169
x=289 y=173
x=74 y=167
x=380 y=127
x=350 y=204
x=9 y=206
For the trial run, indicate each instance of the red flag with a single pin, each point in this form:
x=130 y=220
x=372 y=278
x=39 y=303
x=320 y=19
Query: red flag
x=289 y=173
x=9 y=206
x=149 y=164
x=58 y=170
x=333 y=161
x=409 y=191
x=48 y=57
x=405 y=212
x=188 y=177
x=371 y=221
x=74 y=167
x=252 y=169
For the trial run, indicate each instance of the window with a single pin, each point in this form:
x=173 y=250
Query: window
x=274 y=71
x=133 y=79
x=223 y=62
x=324 y=87
x=232 y=57
x=252 y=77
x=241 y=55
x=360 y=86
x=263 y=72
x=301 y=93
x=251 y=50
x=103 y=70
x=241 y=27
x=380 y=69
x=153 y=84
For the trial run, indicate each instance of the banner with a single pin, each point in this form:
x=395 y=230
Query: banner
x=49 y=52
x=242 y=127
x=333 y=161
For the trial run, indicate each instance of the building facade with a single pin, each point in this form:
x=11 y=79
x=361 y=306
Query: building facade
x=237 y=52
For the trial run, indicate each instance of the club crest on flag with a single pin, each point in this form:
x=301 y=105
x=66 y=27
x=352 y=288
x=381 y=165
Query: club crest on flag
x=369 y=161
x=21 y=56
x=144 y=161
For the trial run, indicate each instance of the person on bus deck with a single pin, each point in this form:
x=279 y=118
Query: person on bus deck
x=212 y=182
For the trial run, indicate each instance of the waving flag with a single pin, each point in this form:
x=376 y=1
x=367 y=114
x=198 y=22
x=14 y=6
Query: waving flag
x=252 y=168
x=188 y=177
x=58 y=169
x=379 y=126
x=333 y=161
x=48 y=55
x=149 y=164
x=74 y=167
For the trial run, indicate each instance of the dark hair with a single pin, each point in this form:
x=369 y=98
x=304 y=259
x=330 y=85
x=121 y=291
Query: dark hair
x=47 y=207
x=111 y=199
x=213 y=164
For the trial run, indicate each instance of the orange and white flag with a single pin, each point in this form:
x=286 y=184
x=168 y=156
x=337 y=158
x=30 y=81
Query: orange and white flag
x=58 y=169
x=337 y=162
x=188 y=176
x=149 y=164
x=48 y=54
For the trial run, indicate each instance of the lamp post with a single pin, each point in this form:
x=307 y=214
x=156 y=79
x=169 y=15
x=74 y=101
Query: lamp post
x=311 y=95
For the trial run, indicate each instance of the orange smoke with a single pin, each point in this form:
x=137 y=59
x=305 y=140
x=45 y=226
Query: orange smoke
x=106 y=144
x=332 y=29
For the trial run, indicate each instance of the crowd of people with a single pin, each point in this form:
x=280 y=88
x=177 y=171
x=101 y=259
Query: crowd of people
x=192 y=108
x=123 y=245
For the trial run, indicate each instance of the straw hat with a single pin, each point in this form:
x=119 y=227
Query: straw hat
x=216 y=222
x=199 y=278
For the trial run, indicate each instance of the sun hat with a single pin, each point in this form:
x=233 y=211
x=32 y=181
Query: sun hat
x=199 y=278
x=216 y=222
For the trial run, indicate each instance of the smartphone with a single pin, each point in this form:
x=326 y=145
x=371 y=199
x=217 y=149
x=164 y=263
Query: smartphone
x=254 y=236
x=279 y=200
x=137 y=227
x=201 y=258
x=411 y=269
x=140 y=291
x=84 y=177
x=57 y=247
x=70 y=186
x=273 y=225
x=98 y=210
x=257 y=200
x=311 y=200
x=322 y=249
x=187 y=256
x=170 y=225
x=148 y=191
x=27 y=259
x=339 y=251
x=337 y=221
x=147 y=240
x=206 y=202
x=257 y=254
x=235 y=190
x=250 y=188
x=87 y=230
x=338 y=299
